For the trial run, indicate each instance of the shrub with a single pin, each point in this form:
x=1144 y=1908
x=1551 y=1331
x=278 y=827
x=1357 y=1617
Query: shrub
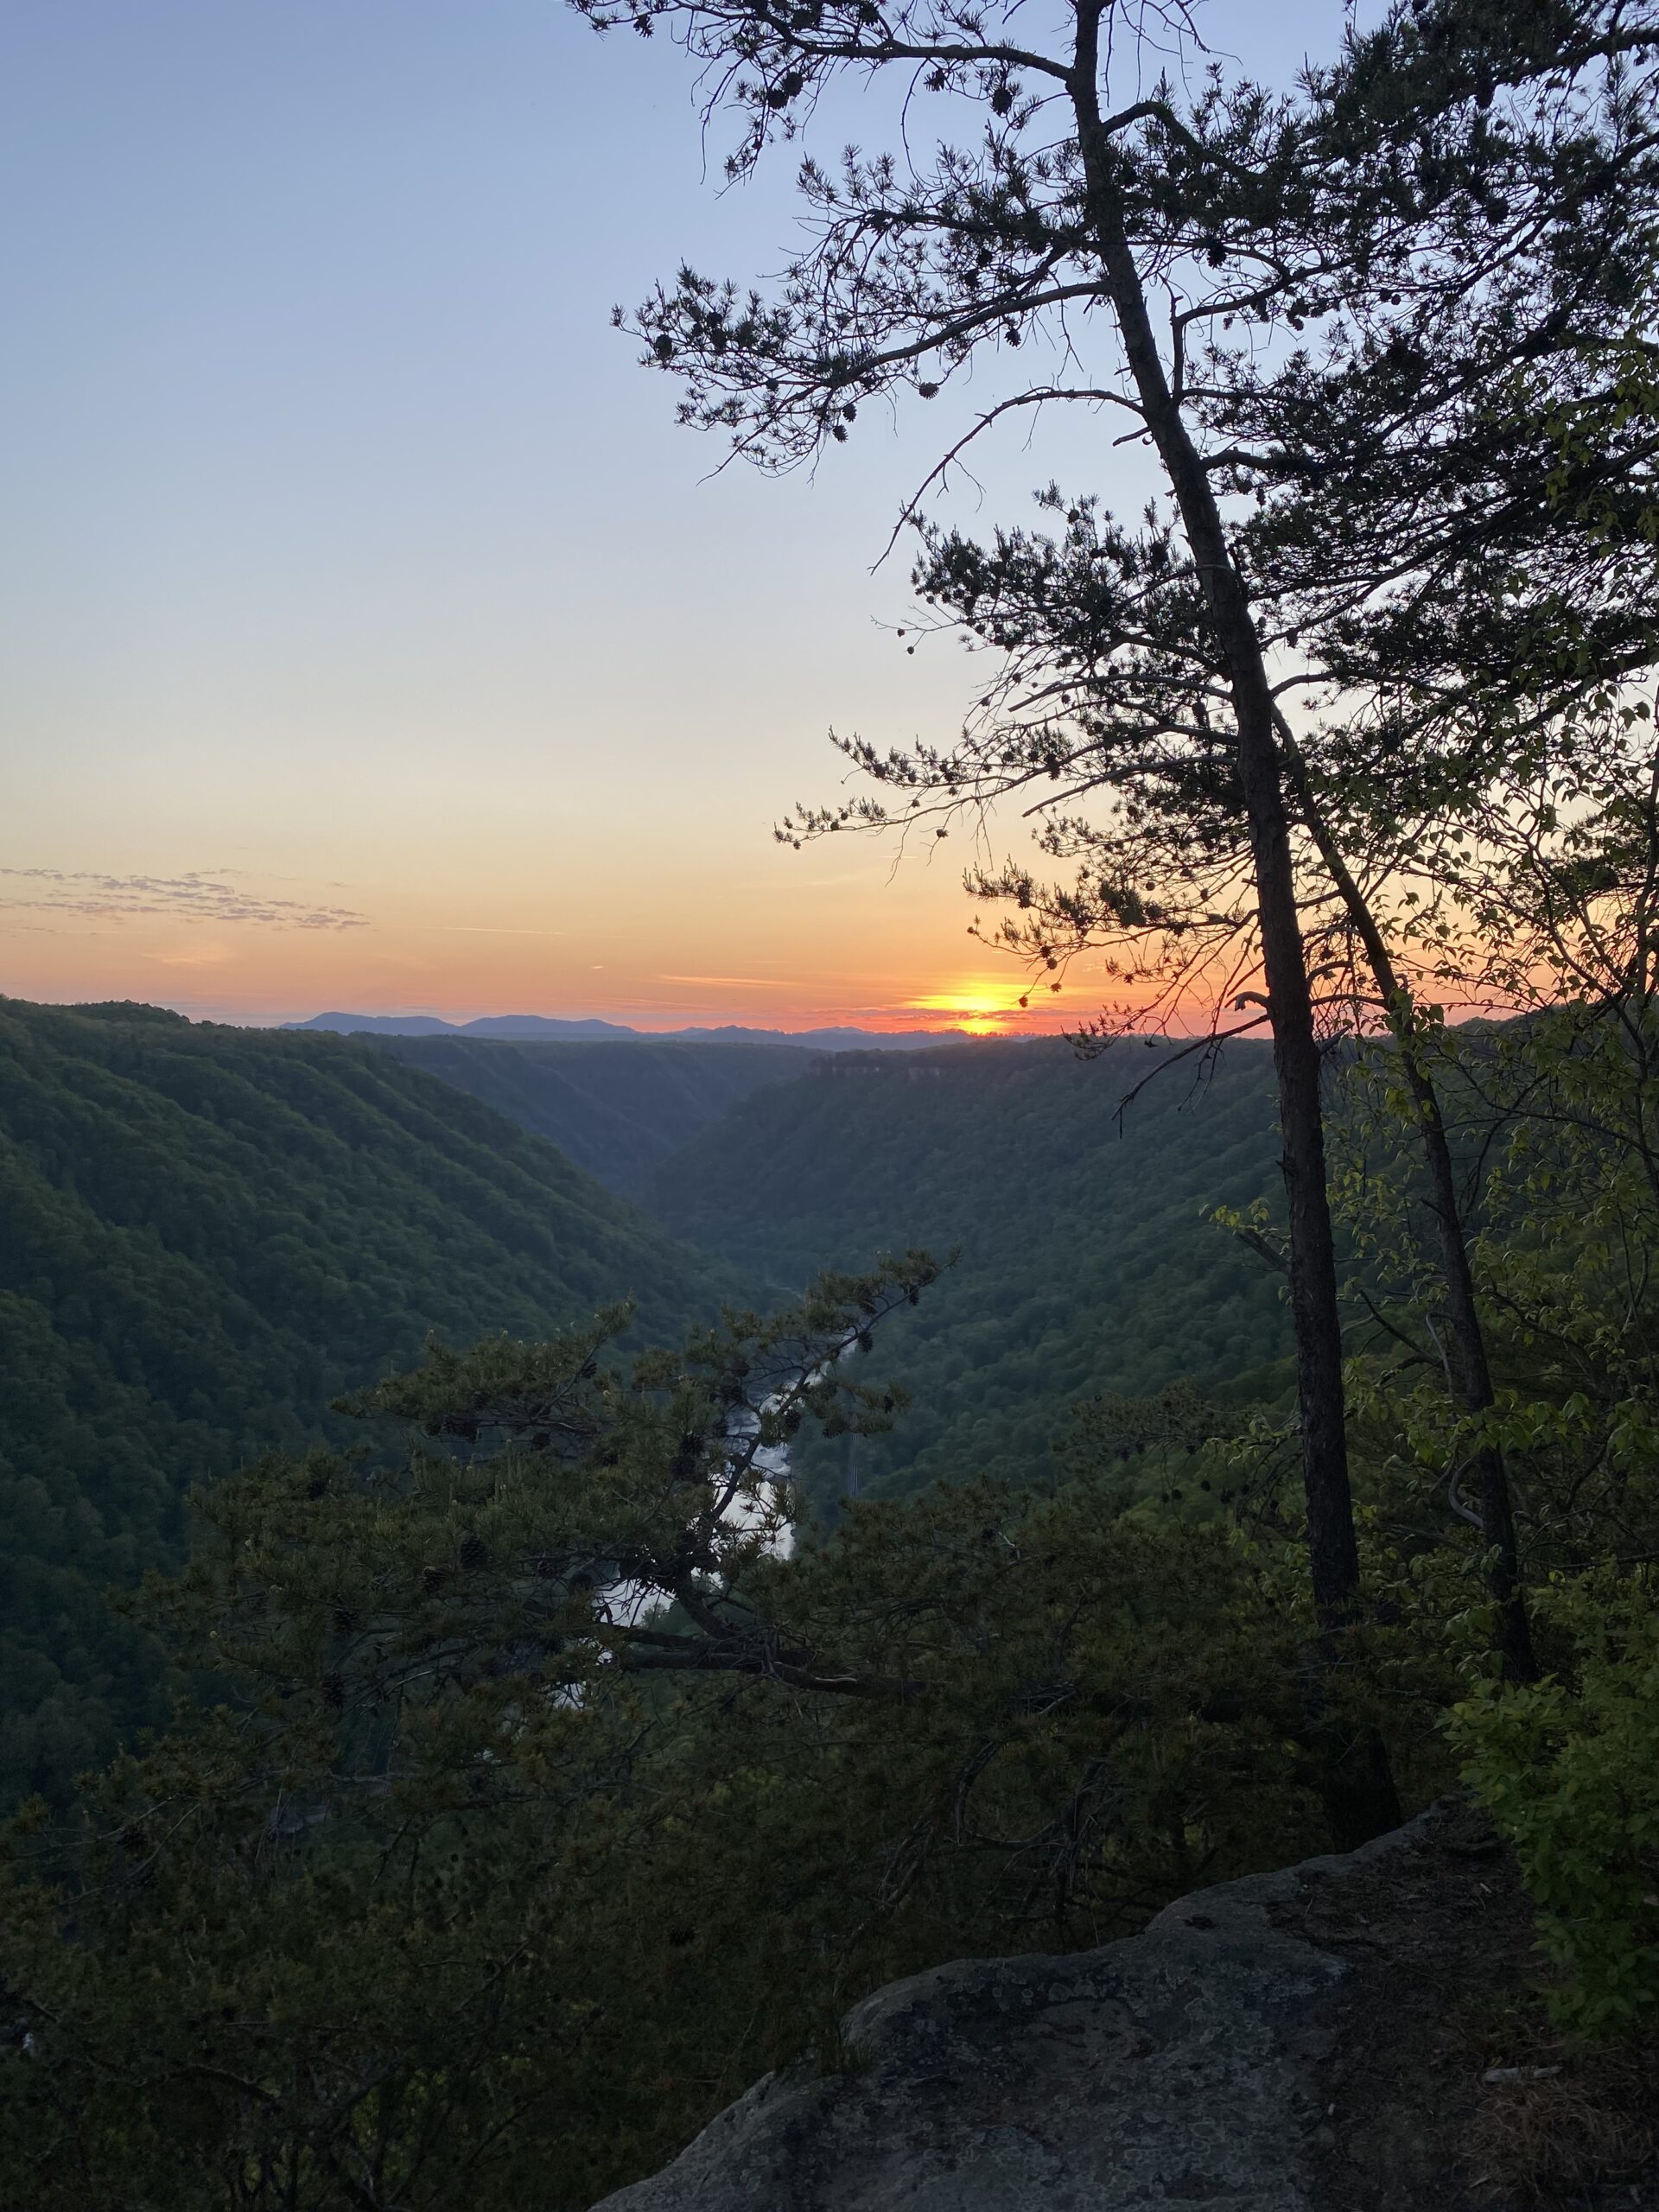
x=1569 y=1771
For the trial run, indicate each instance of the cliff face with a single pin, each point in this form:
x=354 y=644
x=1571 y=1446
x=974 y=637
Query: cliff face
x=1298 y=2042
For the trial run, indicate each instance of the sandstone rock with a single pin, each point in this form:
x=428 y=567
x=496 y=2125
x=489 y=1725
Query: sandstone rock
x=1184 y=2067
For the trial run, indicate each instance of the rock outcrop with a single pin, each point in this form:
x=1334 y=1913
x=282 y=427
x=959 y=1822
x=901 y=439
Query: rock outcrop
x=1248 y=2050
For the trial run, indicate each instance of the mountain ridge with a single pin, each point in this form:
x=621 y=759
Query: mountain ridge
x=527 y=1028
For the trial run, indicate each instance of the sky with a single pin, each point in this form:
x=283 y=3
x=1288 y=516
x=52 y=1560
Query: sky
x=370 y=637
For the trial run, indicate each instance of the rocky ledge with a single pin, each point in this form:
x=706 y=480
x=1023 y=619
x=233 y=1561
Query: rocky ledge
x=1305 y=2040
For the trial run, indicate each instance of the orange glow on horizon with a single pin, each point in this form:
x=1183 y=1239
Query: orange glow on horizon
x=790 y=956
x=982 y=1008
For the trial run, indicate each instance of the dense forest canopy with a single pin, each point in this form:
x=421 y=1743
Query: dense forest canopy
x=210 y=1233
x=1087 y=1258
x=206 y=1234
x=617 y=1110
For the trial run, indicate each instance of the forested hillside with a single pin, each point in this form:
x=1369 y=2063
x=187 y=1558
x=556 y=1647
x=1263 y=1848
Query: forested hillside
x=1087 y=1261
x=205 y=1235
x=618 y=1109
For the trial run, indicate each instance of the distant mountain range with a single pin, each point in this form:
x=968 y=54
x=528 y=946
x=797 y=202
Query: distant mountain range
x=528 y=1028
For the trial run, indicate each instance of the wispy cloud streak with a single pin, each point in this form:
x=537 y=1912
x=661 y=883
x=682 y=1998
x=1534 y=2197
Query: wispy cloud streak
x=193 y=897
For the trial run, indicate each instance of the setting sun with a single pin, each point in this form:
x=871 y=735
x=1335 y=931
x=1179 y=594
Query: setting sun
x=979 y=1008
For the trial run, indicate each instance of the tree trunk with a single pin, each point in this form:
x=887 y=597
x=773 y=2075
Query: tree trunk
x=1360 y=1796
x=1472 y=1371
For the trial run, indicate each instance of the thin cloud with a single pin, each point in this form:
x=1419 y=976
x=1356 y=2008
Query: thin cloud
x=193 y=897
x=742 y=982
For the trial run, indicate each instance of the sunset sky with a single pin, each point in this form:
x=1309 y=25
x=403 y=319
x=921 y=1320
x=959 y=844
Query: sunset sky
x=370 y=638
